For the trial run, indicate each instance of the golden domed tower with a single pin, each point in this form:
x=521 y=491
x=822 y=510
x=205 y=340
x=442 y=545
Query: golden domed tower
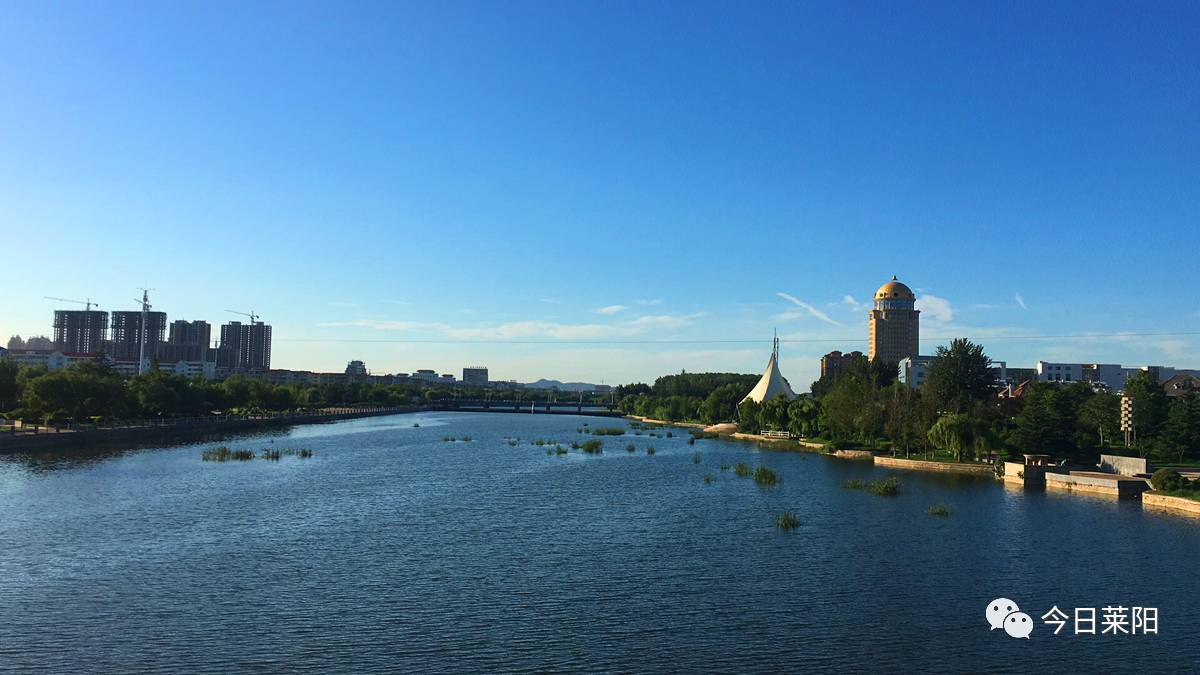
x=894 y=322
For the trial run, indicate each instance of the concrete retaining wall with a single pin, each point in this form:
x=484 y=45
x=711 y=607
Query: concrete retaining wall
x=854 y=454
x=943 y=467
x=1092 y=483
x=1126 y=466
x=1017 y=473
x=1155 y=501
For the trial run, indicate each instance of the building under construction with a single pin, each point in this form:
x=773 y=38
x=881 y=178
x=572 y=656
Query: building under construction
x=244 y=347
x=80 y=331
x=188 y=340
x=127 y=334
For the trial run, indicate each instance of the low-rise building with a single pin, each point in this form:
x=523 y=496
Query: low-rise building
x=475 y=376
x=912 y=370
x=53 y=359
x=835 y=362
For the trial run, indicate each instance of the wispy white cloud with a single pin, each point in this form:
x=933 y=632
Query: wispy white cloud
x=550 y=301
x=812 y=311
x=530 y=329
x=849 y=301
x=649 y=302
x=935 y=308
x=610 y=309
x=1021 y=301
x=1174 y=348
x=381 y=324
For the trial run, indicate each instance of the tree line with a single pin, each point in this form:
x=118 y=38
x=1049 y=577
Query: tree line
x=957 y=412
x=92 y=391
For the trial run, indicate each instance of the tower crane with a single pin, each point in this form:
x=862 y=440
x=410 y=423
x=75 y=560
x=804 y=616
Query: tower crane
x=145 y=302
x=87 y=304
x=252 y=315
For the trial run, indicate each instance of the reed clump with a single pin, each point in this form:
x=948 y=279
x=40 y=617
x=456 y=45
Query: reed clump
x=608 y=431
x=787 y=521
x=888 y=487
x=766 y=477
x=939 y=510
x=592 y=446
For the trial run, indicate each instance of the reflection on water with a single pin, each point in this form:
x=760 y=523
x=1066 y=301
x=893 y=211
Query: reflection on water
x=393 y=550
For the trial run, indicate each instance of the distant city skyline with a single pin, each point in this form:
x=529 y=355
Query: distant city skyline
x=440 y=173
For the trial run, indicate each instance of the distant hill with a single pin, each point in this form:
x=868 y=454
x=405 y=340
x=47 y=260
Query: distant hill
x=561 y=386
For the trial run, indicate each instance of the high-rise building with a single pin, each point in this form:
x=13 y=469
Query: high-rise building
x=356 y=368
x=475 y=376
x=245 y=346
x=894 y=323
x=188 y=340
x=127 y=334
x=80 y=331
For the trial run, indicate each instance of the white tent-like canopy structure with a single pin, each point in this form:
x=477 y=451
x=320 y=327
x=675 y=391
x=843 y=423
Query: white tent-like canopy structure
x=771 y=384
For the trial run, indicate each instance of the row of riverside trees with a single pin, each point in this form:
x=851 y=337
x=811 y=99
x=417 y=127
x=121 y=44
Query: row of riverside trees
x=957 y=413
x=92 y=391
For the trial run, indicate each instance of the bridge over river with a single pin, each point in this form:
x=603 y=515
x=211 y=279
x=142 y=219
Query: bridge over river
x=528 y=407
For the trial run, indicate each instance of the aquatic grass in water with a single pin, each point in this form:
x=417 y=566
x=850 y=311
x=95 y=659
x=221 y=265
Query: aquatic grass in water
x=855 y=484
x=608 y=431
x=939 y=510
x=766 y=477
x=559 y=450
x=224 y=454
x=787 y=521
x=742 y=470
x=888 y=487
x=273 y=455
x=649 y=449
x=695 y=458
x=592 y=447
x=708 y=479
x=630 y=448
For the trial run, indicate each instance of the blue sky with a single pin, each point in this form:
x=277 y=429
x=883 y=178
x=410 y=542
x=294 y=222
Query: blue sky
x=611 y=172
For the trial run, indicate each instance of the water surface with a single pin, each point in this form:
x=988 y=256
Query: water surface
x=394 y=550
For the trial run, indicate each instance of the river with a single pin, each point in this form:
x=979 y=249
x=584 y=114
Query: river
x=395 y=550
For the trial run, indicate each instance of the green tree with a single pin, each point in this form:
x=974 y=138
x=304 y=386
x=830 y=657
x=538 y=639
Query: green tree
x=9 y=392
x=803 y=415
x=1181 y=430
x=952 y=433
x=1149 y=408
x=721 y=404
x=749 y=420
x=774 y=414
x=959 y=376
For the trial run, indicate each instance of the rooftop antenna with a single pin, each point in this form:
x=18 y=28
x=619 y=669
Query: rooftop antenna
x=775 y=345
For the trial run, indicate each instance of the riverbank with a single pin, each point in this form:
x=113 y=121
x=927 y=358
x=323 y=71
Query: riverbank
x=175 y=431
x=665 y=423
x=1182 y=505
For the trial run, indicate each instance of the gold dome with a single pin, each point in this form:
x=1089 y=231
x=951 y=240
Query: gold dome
x=894 y=290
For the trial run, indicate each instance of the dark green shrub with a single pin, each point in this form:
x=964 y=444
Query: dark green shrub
x=1167 y=480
